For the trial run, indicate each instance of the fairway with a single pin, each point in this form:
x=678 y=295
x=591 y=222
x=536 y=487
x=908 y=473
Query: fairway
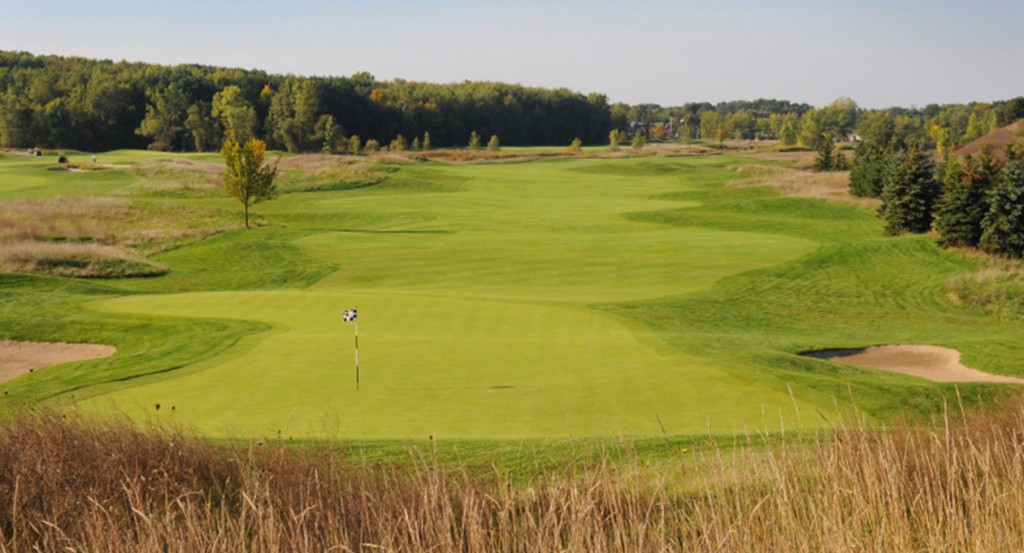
x=552 y=298
x=476 y=318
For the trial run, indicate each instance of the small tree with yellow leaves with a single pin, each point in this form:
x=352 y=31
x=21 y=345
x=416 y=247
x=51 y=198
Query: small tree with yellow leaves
x=246 y=177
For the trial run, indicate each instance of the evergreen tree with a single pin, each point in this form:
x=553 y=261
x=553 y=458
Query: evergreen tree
x=576 y=146
x=965 y=201
x=826 y=156
x=868 y=171
x=474 y=141
x=909 y=193
x=493 y=145
x=1003 y=225
x=354 y=144
x=426 y=141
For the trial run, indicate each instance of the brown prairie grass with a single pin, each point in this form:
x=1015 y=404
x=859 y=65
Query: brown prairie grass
x=801 y=182
x=74 y=260
x=952 y=485
x=96 y=237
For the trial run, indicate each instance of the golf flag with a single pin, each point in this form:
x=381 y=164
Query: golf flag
x=349 y=316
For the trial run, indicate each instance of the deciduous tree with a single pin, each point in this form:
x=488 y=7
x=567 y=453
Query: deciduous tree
x=246 y=177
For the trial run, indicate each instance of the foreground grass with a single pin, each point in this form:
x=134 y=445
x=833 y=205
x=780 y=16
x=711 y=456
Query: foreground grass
x=953 y=485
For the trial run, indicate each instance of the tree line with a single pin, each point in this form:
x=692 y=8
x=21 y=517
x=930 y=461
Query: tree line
x=70 y=102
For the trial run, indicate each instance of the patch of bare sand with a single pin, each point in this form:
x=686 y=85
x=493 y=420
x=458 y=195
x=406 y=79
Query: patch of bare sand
x=931 y=362
x=18 y=358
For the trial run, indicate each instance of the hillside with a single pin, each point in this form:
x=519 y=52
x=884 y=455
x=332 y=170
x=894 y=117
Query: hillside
x=997 y=140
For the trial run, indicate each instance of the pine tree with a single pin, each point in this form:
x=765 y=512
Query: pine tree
x=909 y=193
x=826 y=157
x=868 y=171
x=474 y=141
x=965 y=200
x=1003 y=225
x=493 y=145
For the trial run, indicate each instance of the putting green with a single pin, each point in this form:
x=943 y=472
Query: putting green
x=475 y=287
x=447 y=367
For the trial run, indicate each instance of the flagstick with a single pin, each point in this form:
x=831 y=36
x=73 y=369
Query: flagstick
x=357 y=347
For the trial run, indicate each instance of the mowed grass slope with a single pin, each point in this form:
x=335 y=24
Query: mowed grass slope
x=551 y=298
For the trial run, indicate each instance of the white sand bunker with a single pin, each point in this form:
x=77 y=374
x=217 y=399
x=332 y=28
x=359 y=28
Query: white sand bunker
x=18 y=358
x=931 y=362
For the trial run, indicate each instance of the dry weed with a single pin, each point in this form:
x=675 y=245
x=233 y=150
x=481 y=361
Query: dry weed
x=74 y=484
x=801 y=183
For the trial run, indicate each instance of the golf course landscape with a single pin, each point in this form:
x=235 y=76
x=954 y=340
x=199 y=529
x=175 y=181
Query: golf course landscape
x=567 y=297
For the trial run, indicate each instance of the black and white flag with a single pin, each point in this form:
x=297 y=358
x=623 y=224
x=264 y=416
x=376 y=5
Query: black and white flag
x=349 y=315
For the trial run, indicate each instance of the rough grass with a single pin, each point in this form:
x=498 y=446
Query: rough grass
x=953 y=485
x=997 y=289
x=75 y=261
x=95 y=237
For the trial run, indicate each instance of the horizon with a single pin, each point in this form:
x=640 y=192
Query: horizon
x=660 y=52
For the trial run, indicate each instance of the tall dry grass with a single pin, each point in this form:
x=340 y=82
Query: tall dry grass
x=96 y=236
x=955 y=485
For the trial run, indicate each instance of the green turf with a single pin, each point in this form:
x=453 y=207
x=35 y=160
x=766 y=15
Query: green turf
x=581 y=297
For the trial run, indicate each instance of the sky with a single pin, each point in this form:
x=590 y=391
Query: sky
x=880 y=53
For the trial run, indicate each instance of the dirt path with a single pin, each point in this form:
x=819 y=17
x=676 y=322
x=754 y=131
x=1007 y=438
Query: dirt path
x=932 y=362
x=18 y=358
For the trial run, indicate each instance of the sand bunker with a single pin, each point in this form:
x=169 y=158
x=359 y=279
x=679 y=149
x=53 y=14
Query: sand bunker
x=18 y=358
x=931 y=362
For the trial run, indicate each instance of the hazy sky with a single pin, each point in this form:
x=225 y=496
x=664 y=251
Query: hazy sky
x=880 y=53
